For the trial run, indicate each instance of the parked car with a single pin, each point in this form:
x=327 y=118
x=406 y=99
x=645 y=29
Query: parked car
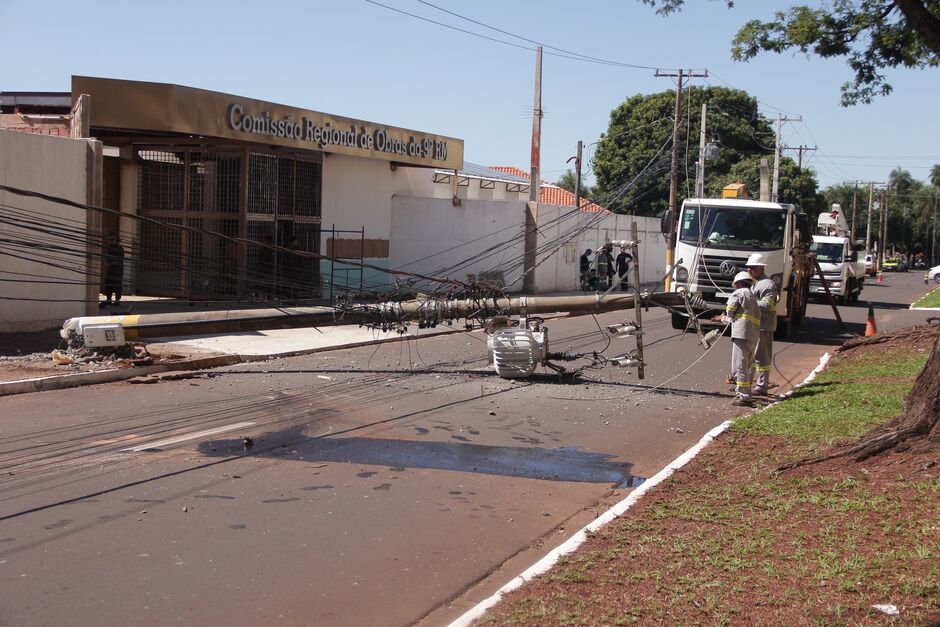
x=932 y=275
x=891 y=264
x=870 y=265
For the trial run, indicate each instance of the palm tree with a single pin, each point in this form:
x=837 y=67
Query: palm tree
x=935 y=175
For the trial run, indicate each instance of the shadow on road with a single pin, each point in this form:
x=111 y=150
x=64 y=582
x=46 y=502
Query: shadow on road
x=561 y=464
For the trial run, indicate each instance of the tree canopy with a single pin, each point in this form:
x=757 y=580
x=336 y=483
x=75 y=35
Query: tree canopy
x=872 y=36
x=569 y=181
x=910 y=206
x=632 y=161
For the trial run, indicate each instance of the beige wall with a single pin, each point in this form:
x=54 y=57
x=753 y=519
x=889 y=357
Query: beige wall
x=431 y=234
x=59 y=167
x=357 y=193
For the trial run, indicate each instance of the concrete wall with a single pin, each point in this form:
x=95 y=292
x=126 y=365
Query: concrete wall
x=356 y=194
x=429 y=235
x=60 y=167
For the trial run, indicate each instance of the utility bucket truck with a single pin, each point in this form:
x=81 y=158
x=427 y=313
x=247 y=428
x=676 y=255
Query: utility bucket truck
x=838 y=258
x=715 y=236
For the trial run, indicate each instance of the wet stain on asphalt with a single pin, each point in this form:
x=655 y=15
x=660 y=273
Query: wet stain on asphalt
x=237 y=526
x=59 y=524
x=460 y=437
x=134 y=499
x=366 y=474
x=383 y=487
x=422 y=430
x=310 y=488
x=5 y=540
x=287 y=500
x=533 y=462
x=213 y=496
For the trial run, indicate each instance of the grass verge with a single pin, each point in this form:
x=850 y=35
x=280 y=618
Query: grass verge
x=728 y=541
x=930 y=301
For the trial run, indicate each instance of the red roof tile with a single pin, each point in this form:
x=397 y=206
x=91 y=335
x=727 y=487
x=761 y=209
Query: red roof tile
x=549 y=193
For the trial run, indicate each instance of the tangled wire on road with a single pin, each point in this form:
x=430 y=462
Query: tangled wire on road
x=476 y=301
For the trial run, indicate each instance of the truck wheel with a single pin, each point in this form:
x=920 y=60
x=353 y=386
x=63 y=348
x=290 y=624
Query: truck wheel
x=679 y=321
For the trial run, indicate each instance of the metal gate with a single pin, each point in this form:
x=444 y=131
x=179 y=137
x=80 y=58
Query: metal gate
x=201 y=188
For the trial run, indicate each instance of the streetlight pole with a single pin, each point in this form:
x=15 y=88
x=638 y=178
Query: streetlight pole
x=577 y=175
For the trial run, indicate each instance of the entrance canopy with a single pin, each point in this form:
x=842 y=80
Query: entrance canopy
x=141 y=108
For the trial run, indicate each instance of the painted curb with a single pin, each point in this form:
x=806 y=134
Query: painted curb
x=571 y=544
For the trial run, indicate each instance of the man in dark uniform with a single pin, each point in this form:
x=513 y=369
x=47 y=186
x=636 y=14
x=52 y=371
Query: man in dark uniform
x=585 y=269
x=113 y=269
x=623 y=268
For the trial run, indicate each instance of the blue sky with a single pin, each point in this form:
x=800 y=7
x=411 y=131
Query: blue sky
x=356 y=59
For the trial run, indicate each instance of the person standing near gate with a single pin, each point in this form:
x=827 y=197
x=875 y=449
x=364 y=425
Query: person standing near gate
x=611 y=266
x=602 y=267
x=585 y=268
x=113 y=269
x=623 y=268
x=767 y=294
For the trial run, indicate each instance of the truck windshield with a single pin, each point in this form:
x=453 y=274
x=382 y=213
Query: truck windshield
x=827 y=252
x=722 y=227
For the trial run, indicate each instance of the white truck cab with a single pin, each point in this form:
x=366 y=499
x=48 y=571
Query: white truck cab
x=715 y=236
x=839 y=258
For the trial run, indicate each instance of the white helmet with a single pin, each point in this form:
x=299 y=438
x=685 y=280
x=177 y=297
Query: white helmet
x=742 y=276
x=756 y=259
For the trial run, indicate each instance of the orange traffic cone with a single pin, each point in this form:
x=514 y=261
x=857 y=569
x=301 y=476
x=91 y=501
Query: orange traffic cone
x=880 y=278
x=870 y=327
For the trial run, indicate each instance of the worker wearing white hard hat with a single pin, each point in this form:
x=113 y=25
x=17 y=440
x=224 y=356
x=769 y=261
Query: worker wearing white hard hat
x=743 y=315
x=767 y=295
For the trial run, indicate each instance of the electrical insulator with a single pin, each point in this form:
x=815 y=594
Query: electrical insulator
x=697 y=302
x=710 y=338
x=623 y=330
x=626 y=361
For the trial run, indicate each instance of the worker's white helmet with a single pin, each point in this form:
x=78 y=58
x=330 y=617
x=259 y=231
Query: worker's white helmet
x=742 y=276
x=756 y=259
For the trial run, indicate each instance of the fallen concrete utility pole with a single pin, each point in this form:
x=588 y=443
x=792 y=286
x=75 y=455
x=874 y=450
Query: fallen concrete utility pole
x=143 y=326
x=519 y=305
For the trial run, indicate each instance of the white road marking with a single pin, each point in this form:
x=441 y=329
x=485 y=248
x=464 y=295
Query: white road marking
x=185 y=437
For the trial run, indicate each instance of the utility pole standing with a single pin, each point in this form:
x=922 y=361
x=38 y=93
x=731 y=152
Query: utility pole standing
x=854 y=207
x=871 y=194
x=933 y=241
x=776 y=181
x=577 y=175
x=800 y=150
x=777 y=151
x=884 y=228
x=700 y=173
x=674 y=176
x=531 y=211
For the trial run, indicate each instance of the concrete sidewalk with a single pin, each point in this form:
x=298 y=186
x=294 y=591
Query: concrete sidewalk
x=223 y=349
x=273 y=343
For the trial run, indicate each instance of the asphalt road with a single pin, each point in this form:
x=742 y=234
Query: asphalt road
x=384 y=485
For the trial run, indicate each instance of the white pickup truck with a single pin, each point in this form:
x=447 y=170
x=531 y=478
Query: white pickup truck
x=839 y=259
